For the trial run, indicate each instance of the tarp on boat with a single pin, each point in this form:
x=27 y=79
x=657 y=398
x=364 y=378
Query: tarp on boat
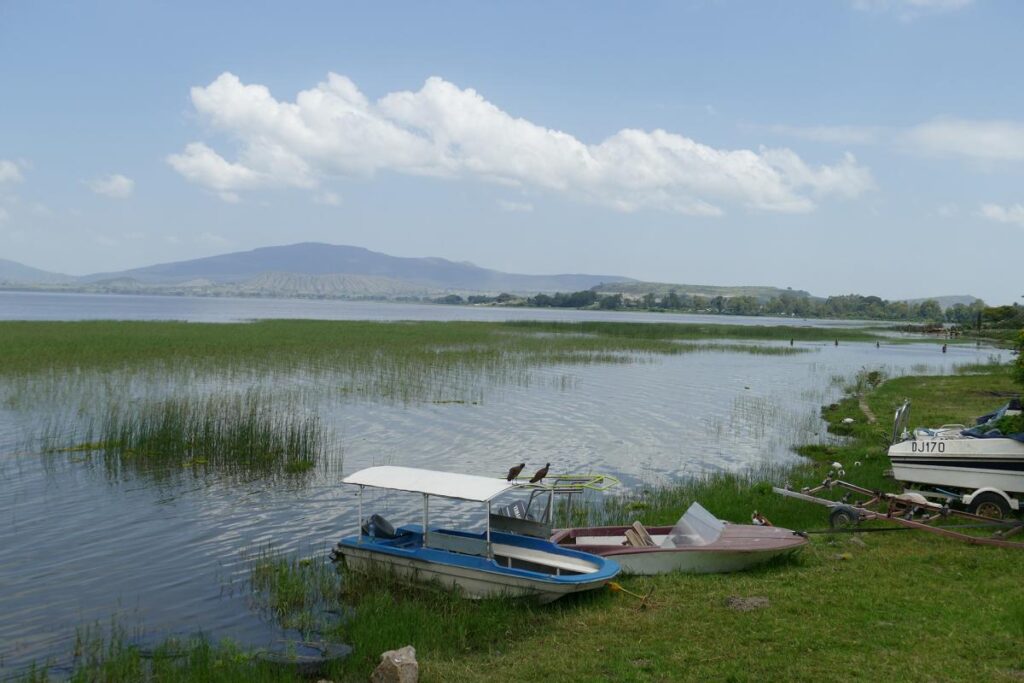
x=985 y=425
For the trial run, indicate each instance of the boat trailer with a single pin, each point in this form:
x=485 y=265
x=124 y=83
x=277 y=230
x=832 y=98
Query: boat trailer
x=909 y=510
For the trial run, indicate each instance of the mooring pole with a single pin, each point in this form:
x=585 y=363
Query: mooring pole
x=359 y=520
x=426 y=519
x=490 y=553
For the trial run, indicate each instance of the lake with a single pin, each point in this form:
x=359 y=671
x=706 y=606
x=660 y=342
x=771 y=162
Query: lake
x=48 y=306
x=79 y=545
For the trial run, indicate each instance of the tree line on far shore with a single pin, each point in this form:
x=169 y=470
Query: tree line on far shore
x=850 y=306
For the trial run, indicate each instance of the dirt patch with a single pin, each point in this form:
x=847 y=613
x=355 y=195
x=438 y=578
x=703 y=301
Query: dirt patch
x=866 y=410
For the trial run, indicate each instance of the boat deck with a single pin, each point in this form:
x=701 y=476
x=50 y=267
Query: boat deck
x=734 y=538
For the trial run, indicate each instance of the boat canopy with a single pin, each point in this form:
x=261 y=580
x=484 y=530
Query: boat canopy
x=430 y=482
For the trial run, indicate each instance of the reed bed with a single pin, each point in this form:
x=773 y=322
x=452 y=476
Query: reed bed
x=283 y=345
x=242 y=434
x=96 y=362
x=298 y=593
x=690 y=331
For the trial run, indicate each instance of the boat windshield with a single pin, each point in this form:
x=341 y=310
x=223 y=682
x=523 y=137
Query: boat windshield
x=696 y=527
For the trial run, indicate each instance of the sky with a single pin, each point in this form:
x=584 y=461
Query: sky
x=835 y=146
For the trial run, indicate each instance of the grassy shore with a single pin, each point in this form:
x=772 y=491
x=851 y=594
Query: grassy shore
x=901 y=605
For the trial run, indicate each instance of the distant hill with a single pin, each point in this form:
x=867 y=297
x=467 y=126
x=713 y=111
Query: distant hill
x=947 y=301
x=315 y=259
x=12 y=272
x=660 y=289
x=330 y=271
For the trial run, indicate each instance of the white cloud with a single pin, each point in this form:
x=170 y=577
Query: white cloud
x=1003 y=214
x=947 y=210
x=327 y=199
x=521 y=207
x=4 y=215
x=838 y=135
x=202 y=165
x=445 y=131
x=115 y=186
x=9 y=172
x=977 y=140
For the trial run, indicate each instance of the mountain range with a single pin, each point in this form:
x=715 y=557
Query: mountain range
x=318 y=270
x=306 y=269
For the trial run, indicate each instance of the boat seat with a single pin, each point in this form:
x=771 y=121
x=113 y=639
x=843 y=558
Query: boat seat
x=638 y=537
x=546 y=559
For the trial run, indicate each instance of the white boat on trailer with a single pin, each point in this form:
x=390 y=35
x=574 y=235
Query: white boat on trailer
x=699 y=543
x=503 y=560
x=970 y=465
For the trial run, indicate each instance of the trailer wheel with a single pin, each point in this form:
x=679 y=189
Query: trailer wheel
x=990 y=504
x=843 y=517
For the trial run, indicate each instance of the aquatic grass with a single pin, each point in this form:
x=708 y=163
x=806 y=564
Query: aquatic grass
x=284 y=345
x=239 y=434
x=79 y=365
x=115 y=658
x=691 y=331
x=993 y=362
x=297 y=593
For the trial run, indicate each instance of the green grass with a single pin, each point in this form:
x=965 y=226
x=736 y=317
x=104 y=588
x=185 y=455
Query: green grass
x=40 y=347
x=240 y=434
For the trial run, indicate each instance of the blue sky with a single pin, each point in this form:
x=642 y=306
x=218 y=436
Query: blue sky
x=870 y=146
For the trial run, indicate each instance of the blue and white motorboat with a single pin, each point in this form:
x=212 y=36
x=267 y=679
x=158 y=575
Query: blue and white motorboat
x=507 y=558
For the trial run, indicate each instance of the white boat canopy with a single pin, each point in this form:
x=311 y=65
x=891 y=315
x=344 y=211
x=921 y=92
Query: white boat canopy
x=430 y=482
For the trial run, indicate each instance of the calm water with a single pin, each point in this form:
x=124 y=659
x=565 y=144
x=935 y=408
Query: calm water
x=77 y=546
x=44 y=306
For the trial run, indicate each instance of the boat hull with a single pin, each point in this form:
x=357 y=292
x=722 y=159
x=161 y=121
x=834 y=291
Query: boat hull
x=738 y=548
x=479 y=577
x=960 y=463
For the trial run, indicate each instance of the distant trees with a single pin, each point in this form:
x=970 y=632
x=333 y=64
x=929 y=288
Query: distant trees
x=787 y=304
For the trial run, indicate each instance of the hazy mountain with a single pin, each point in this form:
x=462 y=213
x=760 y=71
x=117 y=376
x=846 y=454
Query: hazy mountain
x=334 y=271
x=947 y=301
x=12 y=272
x=311 y=258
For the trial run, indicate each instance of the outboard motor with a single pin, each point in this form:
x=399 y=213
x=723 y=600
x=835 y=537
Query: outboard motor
x=378 y=527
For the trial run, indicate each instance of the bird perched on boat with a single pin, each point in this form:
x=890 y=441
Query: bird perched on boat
x=513 y=472
x=540 y=474
x=759 y=520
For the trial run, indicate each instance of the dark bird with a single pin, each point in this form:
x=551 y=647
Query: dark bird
x=540 y=474
x=514 y=471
